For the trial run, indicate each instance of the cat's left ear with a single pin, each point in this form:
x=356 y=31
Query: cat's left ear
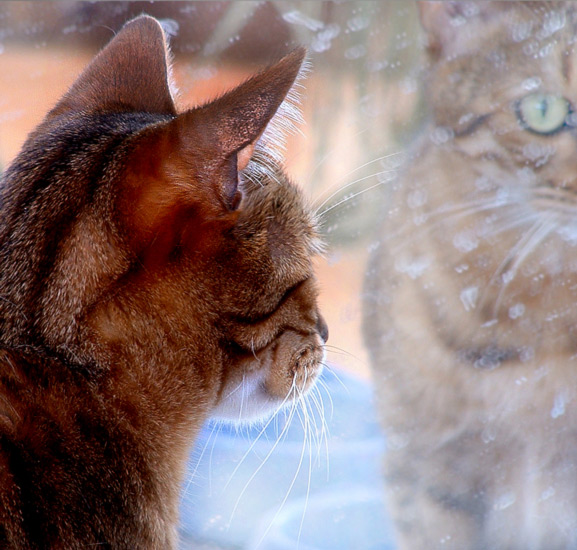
x=131 y=74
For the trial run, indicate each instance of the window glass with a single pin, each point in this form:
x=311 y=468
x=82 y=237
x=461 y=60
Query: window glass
x=438 y=147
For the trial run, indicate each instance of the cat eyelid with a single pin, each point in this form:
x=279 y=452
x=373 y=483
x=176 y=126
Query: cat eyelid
x=266 y=316
x=469 y=128
x=284 y=298
x=289 y=293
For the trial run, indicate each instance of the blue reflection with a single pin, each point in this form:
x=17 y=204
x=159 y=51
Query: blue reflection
x=278 y=485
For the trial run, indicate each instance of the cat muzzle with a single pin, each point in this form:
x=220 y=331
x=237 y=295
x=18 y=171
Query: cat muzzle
x=274 y=377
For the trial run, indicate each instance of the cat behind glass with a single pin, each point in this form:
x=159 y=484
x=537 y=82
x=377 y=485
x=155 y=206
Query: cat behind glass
x=472 y=288
x=155 y=270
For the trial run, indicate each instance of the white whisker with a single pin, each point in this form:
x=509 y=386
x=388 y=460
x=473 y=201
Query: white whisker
x=322 y=384
x=211 y=437
x=329 y=154
x=317 y=400
x=307 y=439
x=340 y=351
x=456 y=213
x=304 y=422
x=242 y=398
x=235 y=389
x=331 y=371
x=510 y=255
x=514 y=222
x=270 y=452
x=522 y=250
x=336 y=189
x=256 y=439
x=352 y=195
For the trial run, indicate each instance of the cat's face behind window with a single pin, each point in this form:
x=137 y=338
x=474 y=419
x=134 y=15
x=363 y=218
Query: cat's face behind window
x=161 y=248
x=498 y=180
x=475 y=284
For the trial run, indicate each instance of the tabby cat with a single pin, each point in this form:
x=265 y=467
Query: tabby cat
x=471 y=293
x=155 y=269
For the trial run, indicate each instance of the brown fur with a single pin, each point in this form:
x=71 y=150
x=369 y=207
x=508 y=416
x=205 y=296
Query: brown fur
x=475 y=279
x=144 y=276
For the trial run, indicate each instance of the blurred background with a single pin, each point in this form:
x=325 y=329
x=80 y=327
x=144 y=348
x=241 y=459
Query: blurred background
x=360 y=102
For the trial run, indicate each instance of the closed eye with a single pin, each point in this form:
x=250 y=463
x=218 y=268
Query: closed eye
x=254 y=332
x=287 y=295
x=256 y=319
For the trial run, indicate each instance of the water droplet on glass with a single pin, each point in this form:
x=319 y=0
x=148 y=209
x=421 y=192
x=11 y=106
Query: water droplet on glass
x=356 y=52
x=527 y=354
x=504 y=501
x=323 y=39
x=69 y=29
x=516 y=311
x=358 y=22
x=170 y=26
x=521 y=31
x=488 y=434
x=469 y=297
x=416 y=199
x=465 y=241
x=554 y=21
x=413 y=267
x=441 y=135
x=558 y=406
x=296 y=17
x=531 y=84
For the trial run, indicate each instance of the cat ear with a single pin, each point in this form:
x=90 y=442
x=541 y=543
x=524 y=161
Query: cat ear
x=445 y=22
x=240 y=116
x=227 y=129
x=183 y=175
x=130 y=74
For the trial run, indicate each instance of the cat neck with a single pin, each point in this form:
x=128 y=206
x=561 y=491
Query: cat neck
x=115 y=433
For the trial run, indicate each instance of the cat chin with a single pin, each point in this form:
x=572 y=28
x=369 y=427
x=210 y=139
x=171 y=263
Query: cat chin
x=250 y=402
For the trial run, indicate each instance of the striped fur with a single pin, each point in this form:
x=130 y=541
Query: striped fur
x=143 y=277
x=473 y=337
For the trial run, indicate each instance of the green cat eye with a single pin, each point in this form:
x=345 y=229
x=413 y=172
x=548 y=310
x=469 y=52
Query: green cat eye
x=543 y=113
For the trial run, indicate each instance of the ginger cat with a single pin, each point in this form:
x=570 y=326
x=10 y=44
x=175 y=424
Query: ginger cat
x=155 y=269
x=471 y=311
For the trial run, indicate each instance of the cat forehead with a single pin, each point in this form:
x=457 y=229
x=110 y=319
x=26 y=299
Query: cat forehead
x=280 y=208
x=478 y=29
x=512 y=55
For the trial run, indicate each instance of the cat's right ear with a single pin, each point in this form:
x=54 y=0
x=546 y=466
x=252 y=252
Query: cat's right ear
x=220 y=137
x=445 y=21
x=131 y=74
x=440 y=21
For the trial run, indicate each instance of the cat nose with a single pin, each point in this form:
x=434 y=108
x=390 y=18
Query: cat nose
x=322 y=328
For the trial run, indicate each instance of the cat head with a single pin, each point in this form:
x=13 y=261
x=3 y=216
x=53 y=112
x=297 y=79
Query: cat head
x=500 y=165
x=138 y=234
x=502 y=74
